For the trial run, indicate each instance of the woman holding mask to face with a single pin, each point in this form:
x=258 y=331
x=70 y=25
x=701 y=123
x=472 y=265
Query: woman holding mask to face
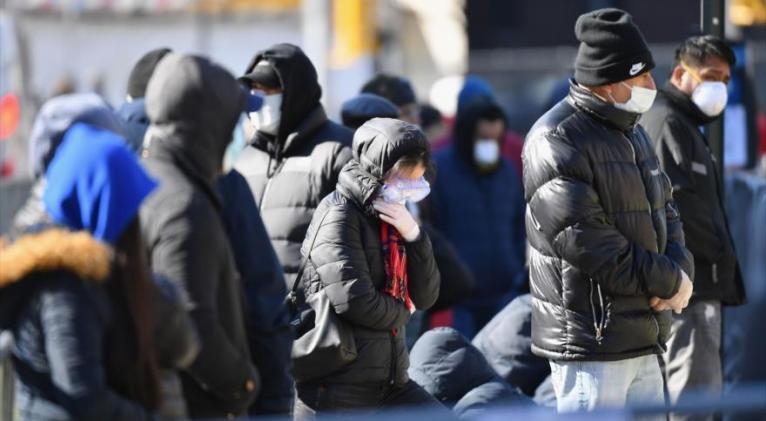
x=376 y=267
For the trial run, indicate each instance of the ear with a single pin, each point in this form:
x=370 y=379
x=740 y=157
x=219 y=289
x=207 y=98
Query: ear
x=677 y=74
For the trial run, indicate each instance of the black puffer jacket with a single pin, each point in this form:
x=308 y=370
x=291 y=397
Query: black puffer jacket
x=290 y=174
x=605 y=235
x=194 y=106
x=348 y=257
x=685 y=156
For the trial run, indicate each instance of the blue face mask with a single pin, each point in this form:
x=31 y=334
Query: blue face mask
x=401 y=190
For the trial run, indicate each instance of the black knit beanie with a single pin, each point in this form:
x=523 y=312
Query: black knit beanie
x=612 y=48
x=142 y=72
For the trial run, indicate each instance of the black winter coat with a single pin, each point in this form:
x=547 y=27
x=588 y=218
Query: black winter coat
x=348 y=258
x=56 y=304
x=604 y=233
x=184 y=232
x=291 y=173
x=263 y=284
x=673 y=124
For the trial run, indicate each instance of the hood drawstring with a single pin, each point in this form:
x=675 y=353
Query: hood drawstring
x=277 y=158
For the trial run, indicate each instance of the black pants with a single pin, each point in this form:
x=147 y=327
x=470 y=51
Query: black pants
x=319 y=398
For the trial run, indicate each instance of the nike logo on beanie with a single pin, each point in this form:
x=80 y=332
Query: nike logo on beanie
x=637 y=68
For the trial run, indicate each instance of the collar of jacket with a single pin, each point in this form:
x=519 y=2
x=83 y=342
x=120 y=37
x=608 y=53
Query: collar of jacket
x=359 y=186
x=585 y=100
x=293 y=141
x=683 y=102
x=54 y=249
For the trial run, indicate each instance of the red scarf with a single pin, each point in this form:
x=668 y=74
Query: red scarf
x=396 y=264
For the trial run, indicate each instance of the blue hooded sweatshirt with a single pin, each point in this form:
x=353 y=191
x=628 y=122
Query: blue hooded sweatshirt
x=95 y=183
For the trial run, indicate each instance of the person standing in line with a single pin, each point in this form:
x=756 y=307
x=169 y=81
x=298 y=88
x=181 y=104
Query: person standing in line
x=696 y=95
x=194 y=105
x=292 y=161
x=607 y=256
x=368 y=255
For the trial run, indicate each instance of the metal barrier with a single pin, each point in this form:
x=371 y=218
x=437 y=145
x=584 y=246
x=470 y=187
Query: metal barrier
x=744 y=341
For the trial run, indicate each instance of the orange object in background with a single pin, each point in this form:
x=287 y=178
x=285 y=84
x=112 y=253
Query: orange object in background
x=9 y=115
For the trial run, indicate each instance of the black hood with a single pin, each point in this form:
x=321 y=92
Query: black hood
x=300 y=87
x=465 y=124
x=447 y=366
x=684 y=103
x=193 y=105
x=377 y=146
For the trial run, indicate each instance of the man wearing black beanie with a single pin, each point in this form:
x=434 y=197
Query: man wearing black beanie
x=607 y=258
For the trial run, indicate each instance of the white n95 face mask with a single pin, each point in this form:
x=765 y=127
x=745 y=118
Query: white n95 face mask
x=710 y=97
x=486 y=152
x=641 y=99
x=267 y=118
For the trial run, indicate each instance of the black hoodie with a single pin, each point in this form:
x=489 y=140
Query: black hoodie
x=290 y=173
x=194 y=105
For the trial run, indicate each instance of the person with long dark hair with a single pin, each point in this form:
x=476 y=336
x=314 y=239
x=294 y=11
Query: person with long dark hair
x=375 y=265
x=75 y=287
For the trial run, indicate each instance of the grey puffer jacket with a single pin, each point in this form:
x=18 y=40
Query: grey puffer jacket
x=347 y=259
x=604 y=232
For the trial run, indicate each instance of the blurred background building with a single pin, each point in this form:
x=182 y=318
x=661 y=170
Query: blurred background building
x=525 y=48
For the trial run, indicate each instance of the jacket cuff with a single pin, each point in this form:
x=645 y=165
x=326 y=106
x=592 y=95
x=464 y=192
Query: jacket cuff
x=421 y=248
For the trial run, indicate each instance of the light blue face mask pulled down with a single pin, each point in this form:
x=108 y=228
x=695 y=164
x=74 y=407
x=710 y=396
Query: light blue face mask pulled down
x=401 y=190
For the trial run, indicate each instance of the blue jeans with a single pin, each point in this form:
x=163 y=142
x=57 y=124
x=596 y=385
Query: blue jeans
x=586 y=385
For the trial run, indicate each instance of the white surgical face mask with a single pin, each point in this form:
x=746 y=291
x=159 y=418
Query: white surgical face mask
x=641 y=99
x=400 y=190
x=710 y=97
x=486 y=152
x=267 y=118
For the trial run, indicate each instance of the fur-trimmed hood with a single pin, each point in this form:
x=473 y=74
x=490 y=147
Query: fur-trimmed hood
x=55 y=249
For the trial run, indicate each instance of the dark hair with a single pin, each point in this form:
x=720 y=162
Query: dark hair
x=429 y=116
x=695 y=50
x=491 y=113
x=130 y=358
x=393 y=88
x=415 y=159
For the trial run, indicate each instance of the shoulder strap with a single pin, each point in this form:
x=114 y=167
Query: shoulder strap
x=305 y=260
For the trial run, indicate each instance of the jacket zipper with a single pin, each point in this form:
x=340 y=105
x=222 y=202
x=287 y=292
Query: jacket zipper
x=265 y=193
x=633 y=149
x=599 y=323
